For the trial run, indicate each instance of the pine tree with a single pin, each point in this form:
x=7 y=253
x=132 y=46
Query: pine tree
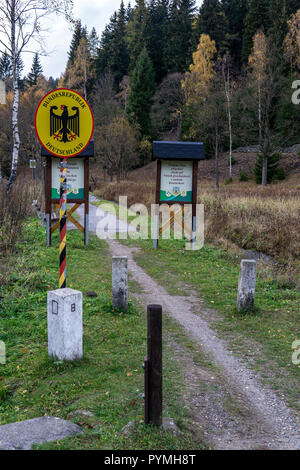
x=119 y=57
x=93 y=42
x=136 y=28
x=181 y=38
x=157 y=36
x=272 y=167
x=36 y=70
x=257 y=18
x=128 y=12
x=292 y=6
x=102 y=61
x=278 y=21
x=212 y=21
x=142 y=90
x=78 y=34
x=235 y=12
x=5 y=66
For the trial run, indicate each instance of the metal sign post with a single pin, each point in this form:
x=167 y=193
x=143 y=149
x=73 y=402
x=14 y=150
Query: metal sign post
x=63 y=224
x=32 y=165
x=64 y=125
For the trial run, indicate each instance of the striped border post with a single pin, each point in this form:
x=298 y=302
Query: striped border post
x=63 y=223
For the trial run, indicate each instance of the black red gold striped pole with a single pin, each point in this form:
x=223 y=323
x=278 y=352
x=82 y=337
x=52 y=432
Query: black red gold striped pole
x=63 y=224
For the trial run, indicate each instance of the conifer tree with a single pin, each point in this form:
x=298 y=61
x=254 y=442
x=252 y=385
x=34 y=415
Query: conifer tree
x=128 y=12
x=103 y=59
x=257 y=18
x=136 y=32
x=292 y=6
x=272 y=167
x=212 y=21
x=142 y=90
x=5 y=66
x=78 y=34
x=36 y=70
x=278 y=21
x=181 y=38
x=235 y=12
x=157 y=36
x=119 y=57
x=93 y=42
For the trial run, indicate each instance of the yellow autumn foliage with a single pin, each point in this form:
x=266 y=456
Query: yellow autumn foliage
x=197 y=80
x=292 y=41
x=258 y=58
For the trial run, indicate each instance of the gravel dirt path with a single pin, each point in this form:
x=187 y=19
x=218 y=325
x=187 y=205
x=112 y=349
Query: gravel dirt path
x=230 y=405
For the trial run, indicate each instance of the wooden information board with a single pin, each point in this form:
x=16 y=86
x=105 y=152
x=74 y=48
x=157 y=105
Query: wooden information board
x=176 y=179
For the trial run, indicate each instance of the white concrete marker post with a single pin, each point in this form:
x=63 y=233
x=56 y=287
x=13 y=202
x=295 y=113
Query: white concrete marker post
x=119 y=282
x=64 y=318
x=246 y=287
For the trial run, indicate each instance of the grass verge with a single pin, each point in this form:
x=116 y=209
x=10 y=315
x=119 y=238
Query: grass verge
x=109 y=380
x=264 y=338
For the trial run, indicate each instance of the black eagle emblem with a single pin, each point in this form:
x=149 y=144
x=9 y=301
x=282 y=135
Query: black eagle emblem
x=64 y=128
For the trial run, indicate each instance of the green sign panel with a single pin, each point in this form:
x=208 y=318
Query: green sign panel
x=75 y=178
x=176 y=181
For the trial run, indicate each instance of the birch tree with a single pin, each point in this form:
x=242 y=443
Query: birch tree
x=292 y=41
x=81 y=73
x=258 y=63
x=228 y=88
x=20 y=25
x=197 y=81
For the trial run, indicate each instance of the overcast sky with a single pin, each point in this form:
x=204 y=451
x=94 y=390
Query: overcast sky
x=92 y=13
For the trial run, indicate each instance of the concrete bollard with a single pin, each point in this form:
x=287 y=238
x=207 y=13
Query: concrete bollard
x=246 y=287
x=64 y=318
x=119 y=282
x=2 y=353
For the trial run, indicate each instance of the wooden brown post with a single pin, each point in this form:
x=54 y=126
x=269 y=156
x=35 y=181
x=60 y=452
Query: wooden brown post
x=153 y=366
x=194 y=202
x=86 y=201
x=48 y=199
x=157 y=202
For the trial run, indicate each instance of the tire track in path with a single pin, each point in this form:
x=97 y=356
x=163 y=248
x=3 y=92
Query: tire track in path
x=265 y=422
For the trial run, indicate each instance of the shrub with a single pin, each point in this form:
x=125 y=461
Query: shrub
x=272 y=167
x=243 y=176
x=15 y=206
x=233 y=160
x=280 y=174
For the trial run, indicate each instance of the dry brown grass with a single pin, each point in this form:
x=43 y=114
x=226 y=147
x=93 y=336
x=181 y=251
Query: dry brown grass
x=269 y=223
x=264 y=219
x=15 y=206
x=135 y=192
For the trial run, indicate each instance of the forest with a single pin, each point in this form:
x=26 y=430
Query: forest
x=222 y=73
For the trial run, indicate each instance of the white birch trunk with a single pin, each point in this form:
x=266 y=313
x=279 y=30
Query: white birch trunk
x=228 y=96
x=259 y=113
x=217 y=153
x=15 y=110
x=85 y=78
x=16 y=136
x=264 y=176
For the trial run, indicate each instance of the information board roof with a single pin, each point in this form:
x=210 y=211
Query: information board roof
x=178 y=150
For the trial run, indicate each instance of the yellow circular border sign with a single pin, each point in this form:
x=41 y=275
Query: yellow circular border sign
x=64 y=122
